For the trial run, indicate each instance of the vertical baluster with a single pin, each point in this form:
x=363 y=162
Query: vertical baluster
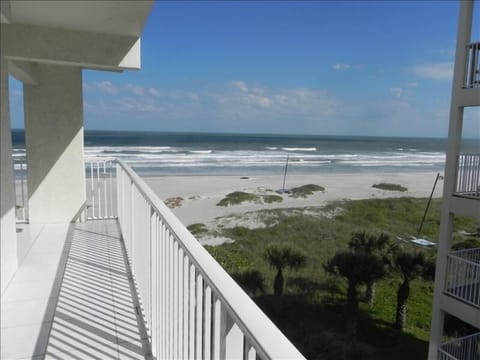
x=191 y=313
x=163 y=289
x=207 y=321
x=199 y=318
x=175 y=299
x=154 y=283
x=181 y=300
x=99 y=197
x=216 y=328
x=104 y=180
x=92 y=186
x=186 y=299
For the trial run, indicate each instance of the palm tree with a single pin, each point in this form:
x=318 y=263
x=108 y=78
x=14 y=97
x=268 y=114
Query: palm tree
x=357 y=267
x=370 y=244
x=281 y=257
x=409 y=265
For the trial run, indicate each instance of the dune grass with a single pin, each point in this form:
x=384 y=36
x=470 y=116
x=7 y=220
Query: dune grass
x=236 y=198
x=305 y=190
x=197 y=229
x=390 y=187
x=311 y=310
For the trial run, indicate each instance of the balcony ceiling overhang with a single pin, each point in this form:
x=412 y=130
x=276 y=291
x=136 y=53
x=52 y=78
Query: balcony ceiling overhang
x=101 y=35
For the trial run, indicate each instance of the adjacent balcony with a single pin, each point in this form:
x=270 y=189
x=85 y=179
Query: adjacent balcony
x=467 y=347
x=463 y=276
x=468 y=176
x=472 y=71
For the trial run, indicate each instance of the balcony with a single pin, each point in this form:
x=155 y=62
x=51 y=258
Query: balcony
x=467 y=347
x=472 y=71
x=468 y=176
x=463 y=276
x=140 y=286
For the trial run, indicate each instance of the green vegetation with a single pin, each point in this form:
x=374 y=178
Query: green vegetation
x=281 y=257
x=197 y=229
x=311 y=311
x=390 y=187
x=239 y=197
x=409 y=265
x=305 y=190
x=268 y=199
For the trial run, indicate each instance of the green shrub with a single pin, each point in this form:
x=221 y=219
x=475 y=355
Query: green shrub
x=390 y=187
x=305 y=190
x=268 y=199
x=197 y=229
x=237 y=197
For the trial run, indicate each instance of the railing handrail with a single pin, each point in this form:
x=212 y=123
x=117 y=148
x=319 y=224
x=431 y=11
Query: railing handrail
x=458 y=254
x=467 y=337
x=266 y=338
x=459 y=348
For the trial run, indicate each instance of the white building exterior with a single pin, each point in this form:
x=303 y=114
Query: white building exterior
x=457 y=278
x=45 y=45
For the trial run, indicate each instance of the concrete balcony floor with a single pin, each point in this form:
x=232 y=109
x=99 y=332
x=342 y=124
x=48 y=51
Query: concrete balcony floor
x=72 y=297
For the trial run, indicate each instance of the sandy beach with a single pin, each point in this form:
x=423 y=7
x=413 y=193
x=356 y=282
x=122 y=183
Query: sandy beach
x=201 y=194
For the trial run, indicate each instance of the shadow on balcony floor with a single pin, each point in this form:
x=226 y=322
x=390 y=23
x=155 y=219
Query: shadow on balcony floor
x=89 y=311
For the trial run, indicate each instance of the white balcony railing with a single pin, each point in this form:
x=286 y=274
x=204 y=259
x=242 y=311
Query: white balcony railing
x=21 y=189
x=472 y=71
x=192 y=307
x=465 y=348
x=468 y=175
x=101 y=189
x=463 y=276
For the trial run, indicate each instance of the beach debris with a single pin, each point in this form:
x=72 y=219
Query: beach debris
x=423 y=242
x=174 y=202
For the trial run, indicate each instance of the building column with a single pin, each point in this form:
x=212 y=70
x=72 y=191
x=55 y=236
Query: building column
x=8 y=236
x=54 y=144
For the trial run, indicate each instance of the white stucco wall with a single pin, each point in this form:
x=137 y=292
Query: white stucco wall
x=54 y=144
x=8 y=238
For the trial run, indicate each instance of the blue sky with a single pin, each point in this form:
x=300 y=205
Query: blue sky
x=289 y=67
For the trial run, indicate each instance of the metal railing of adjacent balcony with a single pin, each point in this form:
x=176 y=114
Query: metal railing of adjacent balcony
x=101 y=189
x=465 y=348
x=193 y=308
x=472 y=71
x=468 y=176
x=21 y=189
x=463 y=276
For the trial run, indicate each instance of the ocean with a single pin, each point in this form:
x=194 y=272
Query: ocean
x=159 y=153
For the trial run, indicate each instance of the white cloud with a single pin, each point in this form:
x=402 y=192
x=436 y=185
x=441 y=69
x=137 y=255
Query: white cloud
x=396 y=91
x=154 y=92
x=137 y=90
x=243 y=107
x=438 y=71
x=240 y=85
x=101 y=86
x=341 y=66
x=412 y=84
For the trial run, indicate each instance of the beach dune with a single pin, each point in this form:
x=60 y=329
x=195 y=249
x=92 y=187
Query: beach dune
x=201 y=194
